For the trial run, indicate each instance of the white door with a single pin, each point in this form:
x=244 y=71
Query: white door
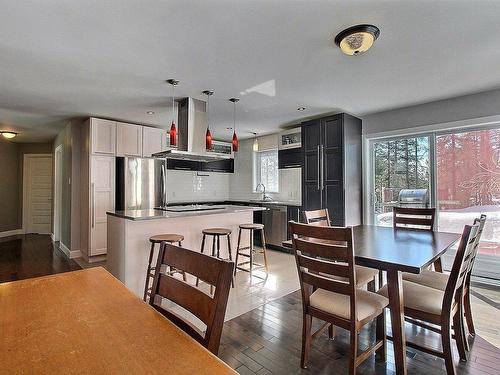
x=103 y=136
x=37 y=187
x=152 y=140
x=128 y=139
x=102 y=200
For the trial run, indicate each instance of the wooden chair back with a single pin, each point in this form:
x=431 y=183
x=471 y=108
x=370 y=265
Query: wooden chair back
x=413 y=218
x=324 y=250
x=209 y=309
x=480 y=221
x=317 y=217
x=460 y=268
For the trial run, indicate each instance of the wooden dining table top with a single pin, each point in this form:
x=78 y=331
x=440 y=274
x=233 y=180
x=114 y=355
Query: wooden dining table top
x=88 y=322
x=402 y=249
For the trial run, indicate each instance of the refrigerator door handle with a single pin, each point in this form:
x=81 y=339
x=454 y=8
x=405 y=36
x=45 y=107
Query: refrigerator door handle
x=163 y=187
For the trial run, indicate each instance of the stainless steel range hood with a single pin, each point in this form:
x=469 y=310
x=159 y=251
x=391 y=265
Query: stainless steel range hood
x=191 y=128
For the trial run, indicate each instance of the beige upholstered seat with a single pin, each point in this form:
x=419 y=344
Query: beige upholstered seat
x=420 y=297
x=432 y=279
x=367 y=303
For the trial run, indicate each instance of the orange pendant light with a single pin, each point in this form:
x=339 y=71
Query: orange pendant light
x=208 y=134
x=234 y=142
x=173 y=128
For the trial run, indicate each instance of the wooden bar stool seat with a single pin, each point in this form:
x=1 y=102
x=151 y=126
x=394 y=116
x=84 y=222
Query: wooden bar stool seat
x=216 y=234
x=251 y=227
x=170 y=238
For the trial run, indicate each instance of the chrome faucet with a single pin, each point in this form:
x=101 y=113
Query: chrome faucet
x=264 y=196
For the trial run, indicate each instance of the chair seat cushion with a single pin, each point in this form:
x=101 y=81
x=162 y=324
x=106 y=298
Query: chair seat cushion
x=367 y=303
x=432 y=279
x=363 y=275
x=254 y=226
x=419 y=297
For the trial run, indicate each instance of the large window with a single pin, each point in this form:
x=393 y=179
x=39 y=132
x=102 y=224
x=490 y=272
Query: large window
x=266 y=170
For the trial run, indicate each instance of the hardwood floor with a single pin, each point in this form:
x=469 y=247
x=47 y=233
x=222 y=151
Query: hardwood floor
x=267 y=340
x=32 y=255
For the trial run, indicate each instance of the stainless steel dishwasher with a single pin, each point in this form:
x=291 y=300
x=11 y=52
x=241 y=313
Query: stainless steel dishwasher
x=275 y=225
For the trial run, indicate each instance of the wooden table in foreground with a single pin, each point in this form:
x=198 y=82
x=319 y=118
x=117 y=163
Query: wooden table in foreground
x=88 y=322
x=396 y=251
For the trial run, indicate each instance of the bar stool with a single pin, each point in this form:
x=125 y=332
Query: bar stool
x=253 y=266
x=158 y=239
x=217 y=233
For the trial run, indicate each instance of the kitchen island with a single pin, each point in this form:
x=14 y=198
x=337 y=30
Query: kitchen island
x=129 y=232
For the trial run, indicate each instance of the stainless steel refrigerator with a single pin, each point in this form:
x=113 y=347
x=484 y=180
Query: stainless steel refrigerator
x=141 y=183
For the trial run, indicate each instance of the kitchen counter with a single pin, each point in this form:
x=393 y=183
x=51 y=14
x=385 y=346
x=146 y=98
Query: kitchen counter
x=128 y=234
x=247 y=201
x=152 y=214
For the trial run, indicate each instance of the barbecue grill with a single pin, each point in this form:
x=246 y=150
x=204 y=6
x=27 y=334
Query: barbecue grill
x=413 y=198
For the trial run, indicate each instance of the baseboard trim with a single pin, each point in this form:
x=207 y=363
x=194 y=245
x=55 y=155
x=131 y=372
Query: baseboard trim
x=69 y=253
x=14 y=232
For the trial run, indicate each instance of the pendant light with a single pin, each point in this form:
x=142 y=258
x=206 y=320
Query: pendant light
x=234 y=141
x=173 y=128
x=255 y=146
x=208 y=135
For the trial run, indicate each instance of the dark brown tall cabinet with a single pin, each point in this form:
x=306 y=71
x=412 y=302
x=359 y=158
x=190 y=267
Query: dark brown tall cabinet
x=332 y=172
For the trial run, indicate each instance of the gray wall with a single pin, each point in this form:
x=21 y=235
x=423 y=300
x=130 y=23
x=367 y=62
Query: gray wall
x=9 y=186
x=11 y=182
x=467 y=107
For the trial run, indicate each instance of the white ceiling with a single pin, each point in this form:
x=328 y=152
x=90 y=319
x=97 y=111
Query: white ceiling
x=110 y=58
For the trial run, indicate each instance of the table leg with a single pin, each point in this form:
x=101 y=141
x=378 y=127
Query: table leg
x=396 y=304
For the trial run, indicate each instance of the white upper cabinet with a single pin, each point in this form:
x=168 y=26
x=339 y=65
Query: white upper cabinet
x=103 y=133
x=128 y=139
x=153 y=140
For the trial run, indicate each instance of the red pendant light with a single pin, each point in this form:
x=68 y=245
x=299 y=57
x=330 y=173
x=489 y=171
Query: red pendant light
x=208 y=134
x=234 y=142
x=173 y=128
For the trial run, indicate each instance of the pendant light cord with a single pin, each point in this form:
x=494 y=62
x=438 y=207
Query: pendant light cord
x=173 y=103
x=208 y=111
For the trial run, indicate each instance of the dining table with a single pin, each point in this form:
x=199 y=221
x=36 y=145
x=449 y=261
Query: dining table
x=397 y=250
x=88 y=322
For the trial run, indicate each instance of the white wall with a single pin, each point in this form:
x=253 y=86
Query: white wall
x=475 y=106
x=241 y=182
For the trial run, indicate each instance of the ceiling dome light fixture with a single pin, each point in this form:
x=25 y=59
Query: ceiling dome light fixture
x=301 y=109
x=358 y=39
x=173 y=128
x=208 y=135
x=8 y=134
x=234 y=141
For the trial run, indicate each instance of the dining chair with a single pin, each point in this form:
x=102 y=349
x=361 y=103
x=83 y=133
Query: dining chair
x=207 y=308
x=416 y=218
x=329 y=250
x=438 y=280
x=437 y=310
x=364 y=275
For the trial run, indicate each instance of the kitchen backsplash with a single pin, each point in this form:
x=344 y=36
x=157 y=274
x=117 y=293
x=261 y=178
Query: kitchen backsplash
x=187 y=186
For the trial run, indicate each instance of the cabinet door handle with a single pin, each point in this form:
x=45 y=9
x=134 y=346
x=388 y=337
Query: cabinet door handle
x=182 y=168
x=93 y=204
x=293 y=166
x=319 y=169
x=322 y=167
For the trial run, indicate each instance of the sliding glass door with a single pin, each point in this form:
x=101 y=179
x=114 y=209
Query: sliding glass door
x=468 y=185
x=402 y=163
x=460 y=169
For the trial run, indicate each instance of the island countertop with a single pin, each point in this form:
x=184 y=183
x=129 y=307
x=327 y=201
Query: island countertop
x=151 y=214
